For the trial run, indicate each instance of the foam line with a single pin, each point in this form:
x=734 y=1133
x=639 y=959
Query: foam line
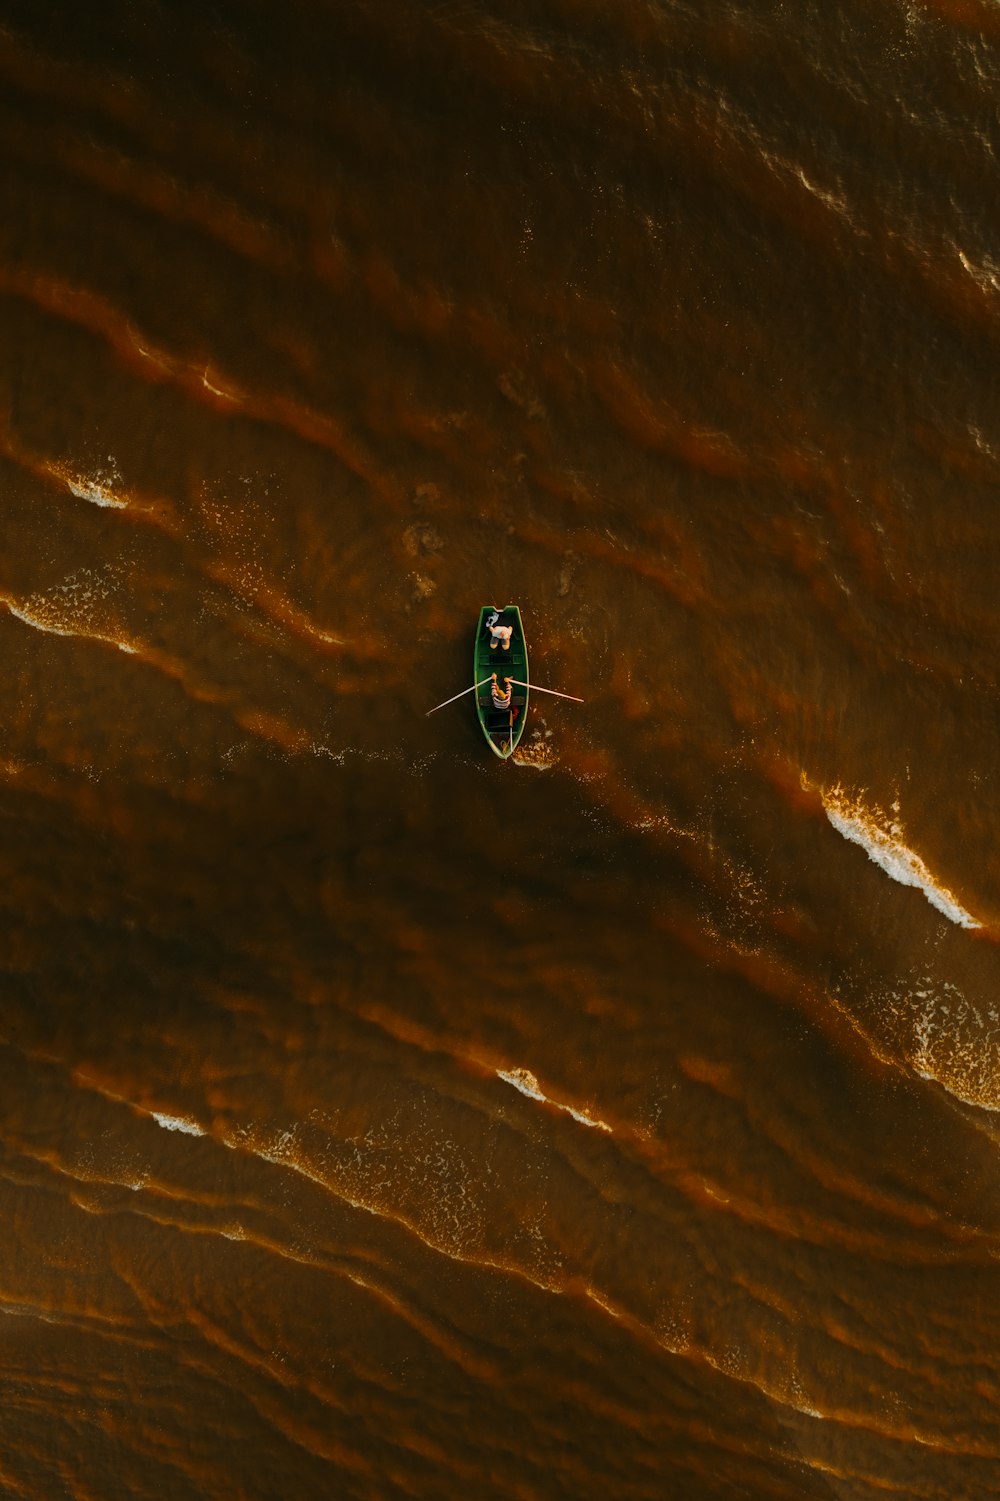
x=53 y=628
x=880 y=836
x=168 y=1122
x=524 y=1080
x=175 y=1123
x=96 y=493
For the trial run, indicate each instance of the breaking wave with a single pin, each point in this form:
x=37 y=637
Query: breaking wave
x=880 y=836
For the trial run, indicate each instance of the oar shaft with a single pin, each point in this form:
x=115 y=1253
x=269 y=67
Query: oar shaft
x=458 y=695
x=535 y=689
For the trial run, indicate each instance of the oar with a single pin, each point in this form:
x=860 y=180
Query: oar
x=535 y=689
x=459 y=695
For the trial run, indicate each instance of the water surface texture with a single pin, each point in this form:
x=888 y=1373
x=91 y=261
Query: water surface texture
x=379 y=1120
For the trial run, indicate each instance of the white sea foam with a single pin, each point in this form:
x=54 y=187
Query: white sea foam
x=75 y=607
x=880 y=836
x=986 y=276
x=956 y=1040
x=218 y=391
x=57 y=628
x=168 y=1122
x=96 y=493
x=39 y=625
x=535 y=762
x=836 y=201
x=100 y=486
x=317 y=748
x=524 y=1080
x=177 y=1123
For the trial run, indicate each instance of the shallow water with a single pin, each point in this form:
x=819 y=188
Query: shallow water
x=378 y=1119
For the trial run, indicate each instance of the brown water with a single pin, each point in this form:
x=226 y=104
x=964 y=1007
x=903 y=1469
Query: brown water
x=379 y=1120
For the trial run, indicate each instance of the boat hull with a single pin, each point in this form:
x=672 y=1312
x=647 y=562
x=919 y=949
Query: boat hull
x=501 y=732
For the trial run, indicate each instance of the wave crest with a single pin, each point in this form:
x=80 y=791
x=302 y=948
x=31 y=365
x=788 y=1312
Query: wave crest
x=880 y=836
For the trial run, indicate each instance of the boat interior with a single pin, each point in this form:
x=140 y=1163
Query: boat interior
x=505 y=664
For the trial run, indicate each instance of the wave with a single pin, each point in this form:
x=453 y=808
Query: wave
x=100 y=489
x=175 y=1123
x=880 y=836
x=37 y=615
x=524 y=1080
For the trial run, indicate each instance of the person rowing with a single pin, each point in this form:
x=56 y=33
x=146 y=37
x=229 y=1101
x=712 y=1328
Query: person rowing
x=501 y=697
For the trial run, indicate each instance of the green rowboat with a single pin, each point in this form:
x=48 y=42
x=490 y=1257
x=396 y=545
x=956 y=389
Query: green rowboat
x=503 y=728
